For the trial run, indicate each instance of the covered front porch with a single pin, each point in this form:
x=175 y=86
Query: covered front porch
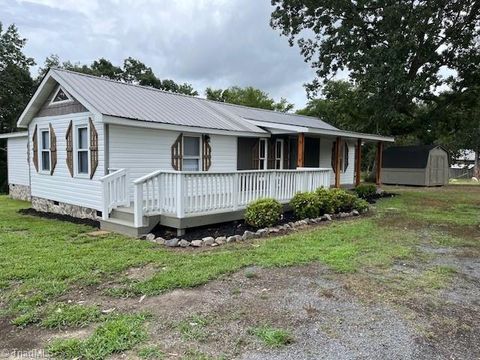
x=276 y=167
x=183 y=199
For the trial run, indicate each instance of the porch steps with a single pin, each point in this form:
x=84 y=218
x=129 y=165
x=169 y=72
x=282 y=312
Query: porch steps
x=121 y=221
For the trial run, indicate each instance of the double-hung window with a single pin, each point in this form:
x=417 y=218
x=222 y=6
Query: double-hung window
x=45 y=146
x=82 y=150
x=279 y=154
x=262 y=154
x=191 y=153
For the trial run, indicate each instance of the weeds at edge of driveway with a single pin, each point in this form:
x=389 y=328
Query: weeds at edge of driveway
x=272 y=337
x=118 y=333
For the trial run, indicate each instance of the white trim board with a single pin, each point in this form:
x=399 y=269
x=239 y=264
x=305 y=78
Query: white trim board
x=14 y=135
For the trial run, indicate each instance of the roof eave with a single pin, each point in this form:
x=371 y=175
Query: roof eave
x=19 y=134
x=277 y=128
x=116 y=120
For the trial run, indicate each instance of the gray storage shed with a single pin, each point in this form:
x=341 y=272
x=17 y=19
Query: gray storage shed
x=425 y=165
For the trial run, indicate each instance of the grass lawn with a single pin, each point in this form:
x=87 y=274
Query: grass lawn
x=43 y=261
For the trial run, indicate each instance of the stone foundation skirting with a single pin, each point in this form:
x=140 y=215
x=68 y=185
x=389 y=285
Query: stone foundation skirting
x=19 y=192
x=51 y=206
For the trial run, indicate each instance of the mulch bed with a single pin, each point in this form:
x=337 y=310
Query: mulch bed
x=373 y=199
x=67 y=218
x=227 y=229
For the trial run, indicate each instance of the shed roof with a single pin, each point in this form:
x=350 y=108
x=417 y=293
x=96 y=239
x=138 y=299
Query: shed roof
x=410 y=157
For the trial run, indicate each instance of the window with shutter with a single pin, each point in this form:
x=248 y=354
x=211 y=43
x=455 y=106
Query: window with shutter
x=207 y=153
x=177 y=153
x=45 y=158
x=191 y=153
x=93 y=149
x=35 y=148
x=53 y=149
x=69 y=148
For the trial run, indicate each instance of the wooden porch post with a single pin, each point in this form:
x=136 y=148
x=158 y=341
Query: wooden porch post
x=301 y=150
x=337 y=161
x=379 y=157
x=358 y=162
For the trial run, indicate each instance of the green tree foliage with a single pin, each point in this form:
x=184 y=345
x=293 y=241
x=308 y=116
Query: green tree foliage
x=248 y=96
x=392 y=50
x=132 y=71
x=16 y=86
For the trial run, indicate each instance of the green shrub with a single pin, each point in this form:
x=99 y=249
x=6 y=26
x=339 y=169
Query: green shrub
x=366 y=191
x=360 y=205
x=325 y=202
x=306 y=205
x=342 y=200
x=263 y=213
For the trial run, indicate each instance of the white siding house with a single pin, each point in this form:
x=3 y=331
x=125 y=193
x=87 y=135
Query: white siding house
x=18 y=169
x=60 y=186
x=133 y=156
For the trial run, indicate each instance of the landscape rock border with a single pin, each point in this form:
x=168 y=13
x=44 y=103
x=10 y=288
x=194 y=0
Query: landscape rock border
x=248 y=235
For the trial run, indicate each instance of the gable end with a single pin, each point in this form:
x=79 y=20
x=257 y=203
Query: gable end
x=50 y=108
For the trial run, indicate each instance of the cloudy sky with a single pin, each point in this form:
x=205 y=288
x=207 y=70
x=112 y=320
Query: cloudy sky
x=215 y=43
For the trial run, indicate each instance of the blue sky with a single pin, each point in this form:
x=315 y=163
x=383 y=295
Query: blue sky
x=215 y=43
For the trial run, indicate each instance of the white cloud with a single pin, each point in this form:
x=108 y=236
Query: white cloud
x=215 y=43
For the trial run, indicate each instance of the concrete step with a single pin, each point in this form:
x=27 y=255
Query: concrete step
x=126 y=226
x=122 y=214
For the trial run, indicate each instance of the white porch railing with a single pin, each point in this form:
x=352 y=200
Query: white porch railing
x=115 y=191
x=182 y=194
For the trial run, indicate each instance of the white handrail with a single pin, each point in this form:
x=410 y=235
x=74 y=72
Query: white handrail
x=115 y=191
x=189 y=193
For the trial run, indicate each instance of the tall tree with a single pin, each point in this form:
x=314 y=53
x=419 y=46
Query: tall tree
x=248 y=96
x=16 y=87
x=342 y=105
x=393 y=50
x=132 y=71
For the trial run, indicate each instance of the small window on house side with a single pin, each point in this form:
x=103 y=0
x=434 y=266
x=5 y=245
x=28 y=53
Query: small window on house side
x=45 y=146
x=82 y=150
x=191 y=153
x=262 y=154
x=279 y=154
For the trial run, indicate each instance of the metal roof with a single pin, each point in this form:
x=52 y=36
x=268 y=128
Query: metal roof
x=411 y=157
x=143 y=103
x=131 y=101
x=273 y=116
x=126 y=101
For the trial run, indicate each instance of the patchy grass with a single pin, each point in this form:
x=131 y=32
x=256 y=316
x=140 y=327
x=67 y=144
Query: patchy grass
x=65 y=315
x=151 y=353
x=454 y=205
x=193 y=328
x=271 y=336
x=43 y=260
x=119 y=333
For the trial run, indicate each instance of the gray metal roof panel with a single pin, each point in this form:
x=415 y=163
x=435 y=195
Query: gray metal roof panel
x=275 y=116
x=116 y=98
x=148 y=104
